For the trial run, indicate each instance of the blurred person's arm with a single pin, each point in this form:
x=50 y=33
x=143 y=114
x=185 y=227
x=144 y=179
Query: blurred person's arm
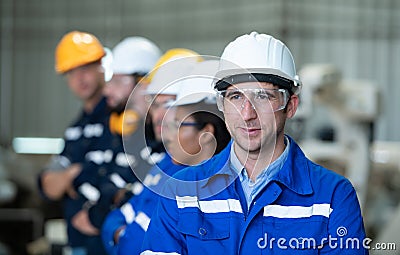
x=115 y=224
x=82 y=223
x=55 y=183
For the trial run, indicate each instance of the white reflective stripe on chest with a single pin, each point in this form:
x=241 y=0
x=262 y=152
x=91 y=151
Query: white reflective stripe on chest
x=73 y=133
x=212 y=206
x=99 y=157
x=93 y=130
x=280 y=211
x=152 y=180
x=147 y=252
x=123 y=159
x=151 y=158
x=155 y=158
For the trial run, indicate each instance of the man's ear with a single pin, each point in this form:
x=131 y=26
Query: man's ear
x=208 y=133
x=291 y=108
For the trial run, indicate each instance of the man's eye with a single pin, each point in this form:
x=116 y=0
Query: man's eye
x=263 y=96
x=234 y=96
x=267 y=96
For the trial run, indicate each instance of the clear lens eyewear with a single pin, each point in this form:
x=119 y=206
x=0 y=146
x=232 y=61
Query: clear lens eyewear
x=262 y=100
x=150 y=99
x=121 y=81
x=175 y=125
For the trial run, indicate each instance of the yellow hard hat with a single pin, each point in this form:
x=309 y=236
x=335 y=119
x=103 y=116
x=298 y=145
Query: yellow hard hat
x=77 y=49
x=173 y=65
x=170 y=55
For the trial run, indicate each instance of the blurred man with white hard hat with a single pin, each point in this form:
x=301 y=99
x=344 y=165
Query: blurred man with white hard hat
x=163 y=87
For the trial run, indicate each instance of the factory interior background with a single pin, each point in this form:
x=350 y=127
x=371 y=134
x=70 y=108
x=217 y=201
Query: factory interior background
x=350 y=124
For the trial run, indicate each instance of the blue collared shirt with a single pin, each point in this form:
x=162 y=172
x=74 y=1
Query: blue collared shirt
x=250 y=188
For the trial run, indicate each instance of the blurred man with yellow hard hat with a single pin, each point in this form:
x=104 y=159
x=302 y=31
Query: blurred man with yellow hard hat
x=78 y=57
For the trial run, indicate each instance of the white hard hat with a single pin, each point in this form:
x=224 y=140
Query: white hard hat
x=197 y=87
x=168 y=77
x=135 y=55
x=257 y=57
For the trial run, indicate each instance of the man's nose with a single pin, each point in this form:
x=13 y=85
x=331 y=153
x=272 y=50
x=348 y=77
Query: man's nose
x=248 y=110
x=107 y=89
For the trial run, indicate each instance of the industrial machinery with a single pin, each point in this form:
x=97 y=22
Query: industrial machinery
x=350 y=108
x=385 y=158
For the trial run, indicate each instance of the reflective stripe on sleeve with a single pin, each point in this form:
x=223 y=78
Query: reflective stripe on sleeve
x=128 y=213
x=142 y=220
x=118 y=180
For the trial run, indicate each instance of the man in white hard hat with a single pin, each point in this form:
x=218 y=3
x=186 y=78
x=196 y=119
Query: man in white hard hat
x=163 y=88
x=194 y=134
x=133 y=58
x=260 y=195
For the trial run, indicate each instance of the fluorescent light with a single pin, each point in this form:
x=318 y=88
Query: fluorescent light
x=37 y=145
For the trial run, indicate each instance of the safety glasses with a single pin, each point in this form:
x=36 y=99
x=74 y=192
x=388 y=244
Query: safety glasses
x=261 y=100
x=175 y=125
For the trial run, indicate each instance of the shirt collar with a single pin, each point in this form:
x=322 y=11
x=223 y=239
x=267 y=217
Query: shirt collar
x=100 y=110
x=268 y=172
x=293 y=171
x=294 y=174
x=235 y=163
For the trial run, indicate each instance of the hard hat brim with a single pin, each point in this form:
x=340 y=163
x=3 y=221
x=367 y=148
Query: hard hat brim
x=193 y=99
x=230 y=77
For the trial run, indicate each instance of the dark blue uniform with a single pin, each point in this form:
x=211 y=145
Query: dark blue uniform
x=88 y=131
x=136 y=213
x=120 y=164
x=112 y=166
x=106 y=170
